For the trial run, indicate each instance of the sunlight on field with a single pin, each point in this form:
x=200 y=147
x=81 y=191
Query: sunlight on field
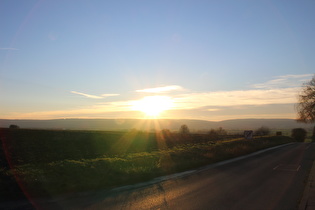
x=153 y=106
x=78 y=161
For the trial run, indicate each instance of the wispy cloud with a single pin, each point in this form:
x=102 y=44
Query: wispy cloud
x=8 y=48
x=189 y=103
x=109 y=95
x=213 y=110
x=236 y=98
x=99 y=110
x=217 y=99
x=87 y=95
x=94 y=96
x=252 y=116
x=285 y=81
x=162 y=89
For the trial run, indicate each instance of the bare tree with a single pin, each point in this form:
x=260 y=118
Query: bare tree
x=216 y=133
x=306 y=105
x=184 y=129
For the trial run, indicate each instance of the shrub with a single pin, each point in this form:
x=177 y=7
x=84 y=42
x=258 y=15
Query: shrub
x=216 y=133
x=279 y=133
x=299 y=134
x=262 y=131
x=14 y=126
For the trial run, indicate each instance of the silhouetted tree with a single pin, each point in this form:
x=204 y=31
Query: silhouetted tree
x=299 y=134
x=184 y=129
x=262 y=131
x=306 y=105
x=215 y=133
x=221 y=132
x=14 y=126
x=166 y=132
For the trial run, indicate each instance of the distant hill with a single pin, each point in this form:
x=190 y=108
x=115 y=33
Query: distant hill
x=142 y=124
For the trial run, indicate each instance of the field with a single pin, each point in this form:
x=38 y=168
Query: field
x=51 y=162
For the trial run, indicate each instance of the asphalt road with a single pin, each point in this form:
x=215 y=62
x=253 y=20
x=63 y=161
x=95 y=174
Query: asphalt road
x=271 y=180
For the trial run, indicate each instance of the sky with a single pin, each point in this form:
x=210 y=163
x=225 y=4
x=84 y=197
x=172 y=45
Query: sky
x=209 y=60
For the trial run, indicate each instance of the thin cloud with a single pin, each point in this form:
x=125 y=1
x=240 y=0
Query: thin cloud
x=104 y=109
x=8 y=48
x=213 y=110
x=94 y=96
x=253 y=116
x=109 y=95
x=162 y=89
x=297 y=76
x=87 y=95
x=285 y=81
x=187 y=103
x=236 y=98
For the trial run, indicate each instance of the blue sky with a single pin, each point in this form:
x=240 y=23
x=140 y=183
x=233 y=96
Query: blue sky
x=210 y=60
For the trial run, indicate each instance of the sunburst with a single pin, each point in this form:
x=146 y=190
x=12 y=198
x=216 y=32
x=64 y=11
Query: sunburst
x=153 y=106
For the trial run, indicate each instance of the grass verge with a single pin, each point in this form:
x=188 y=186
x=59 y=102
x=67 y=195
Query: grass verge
x=40 y=178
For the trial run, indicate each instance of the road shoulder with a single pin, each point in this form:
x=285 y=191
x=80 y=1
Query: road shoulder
x=308 y=199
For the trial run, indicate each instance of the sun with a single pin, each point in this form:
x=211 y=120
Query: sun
x=153 y=106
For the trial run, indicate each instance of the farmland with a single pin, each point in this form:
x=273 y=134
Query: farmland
x=51 y=162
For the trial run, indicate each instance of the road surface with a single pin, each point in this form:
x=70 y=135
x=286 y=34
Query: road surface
x=270 y=180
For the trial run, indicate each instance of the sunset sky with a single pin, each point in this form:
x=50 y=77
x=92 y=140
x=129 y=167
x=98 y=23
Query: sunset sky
x=209 y=60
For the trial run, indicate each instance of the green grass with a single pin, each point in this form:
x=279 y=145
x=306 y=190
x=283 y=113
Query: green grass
x=55 y=162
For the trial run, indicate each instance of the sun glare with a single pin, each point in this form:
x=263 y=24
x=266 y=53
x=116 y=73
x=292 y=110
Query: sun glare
x=153 y=106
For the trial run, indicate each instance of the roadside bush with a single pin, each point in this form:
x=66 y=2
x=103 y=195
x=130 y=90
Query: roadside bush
x=262 y=131
x=217 y=133
x=14 y=126
x=299 y=134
